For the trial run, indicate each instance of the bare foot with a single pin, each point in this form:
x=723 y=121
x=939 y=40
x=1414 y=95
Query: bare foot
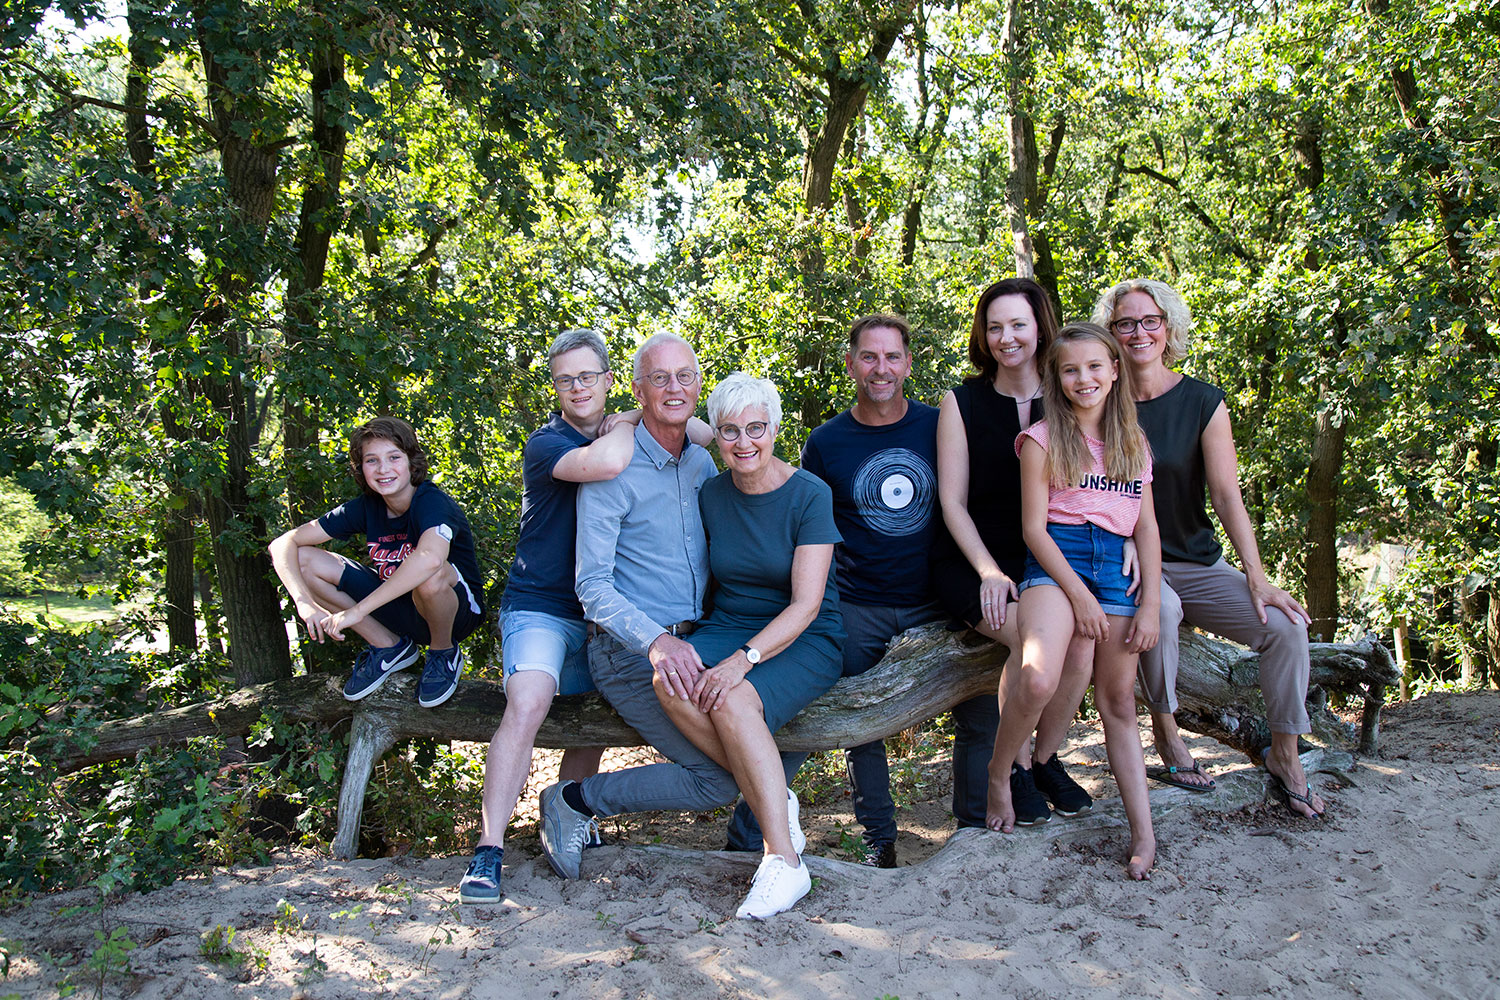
x=1142 y=857
x=1174 y=752
x=1288 y=769
x=1000 y=814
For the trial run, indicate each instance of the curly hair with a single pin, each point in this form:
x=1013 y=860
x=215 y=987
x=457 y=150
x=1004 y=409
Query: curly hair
x=1173 y=309
x=396 y=431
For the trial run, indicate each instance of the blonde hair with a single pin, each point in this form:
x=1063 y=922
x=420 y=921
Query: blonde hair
x=1126 y=454
x=1174 y=311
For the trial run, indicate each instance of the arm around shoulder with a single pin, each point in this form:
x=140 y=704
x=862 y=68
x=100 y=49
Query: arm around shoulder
x=603 y=458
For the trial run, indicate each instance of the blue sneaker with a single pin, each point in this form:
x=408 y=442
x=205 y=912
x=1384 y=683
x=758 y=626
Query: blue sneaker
x=481 y=884
x=440 y=676
x=375 y=665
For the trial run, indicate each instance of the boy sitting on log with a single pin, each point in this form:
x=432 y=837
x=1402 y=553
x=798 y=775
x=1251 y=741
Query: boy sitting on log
x=423 y=589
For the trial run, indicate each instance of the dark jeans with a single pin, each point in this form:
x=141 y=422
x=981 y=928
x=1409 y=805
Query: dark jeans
x=974 y=725
x=691 y=782
x=870 y=630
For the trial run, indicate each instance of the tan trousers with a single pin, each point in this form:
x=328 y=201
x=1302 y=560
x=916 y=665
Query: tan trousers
x=1217 y=599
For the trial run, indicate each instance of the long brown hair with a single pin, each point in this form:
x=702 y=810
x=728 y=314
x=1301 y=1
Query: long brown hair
x=1041 y=308
x=1126 y=454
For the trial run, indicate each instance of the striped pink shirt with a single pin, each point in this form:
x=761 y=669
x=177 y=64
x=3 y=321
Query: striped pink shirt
x=1112 y=505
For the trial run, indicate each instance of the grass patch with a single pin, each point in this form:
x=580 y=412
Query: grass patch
x=67 y=610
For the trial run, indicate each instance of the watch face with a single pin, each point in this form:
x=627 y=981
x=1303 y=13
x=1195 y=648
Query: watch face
x=751 y=654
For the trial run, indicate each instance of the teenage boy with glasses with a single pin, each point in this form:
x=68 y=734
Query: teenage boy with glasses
x=542 y=631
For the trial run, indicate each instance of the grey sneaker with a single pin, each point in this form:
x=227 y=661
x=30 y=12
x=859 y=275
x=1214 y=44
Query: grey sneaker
x=481 y=883
x=564 y=831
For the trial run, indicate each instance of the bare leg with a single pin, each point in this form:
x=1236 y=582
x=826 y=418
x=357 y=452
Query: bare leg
x=438 y=605
x=756 y=765
x=579 y=763
x=1114 y=693
x=1174 y=752
x=322 y=570
x=528 y=695
x=1046 y=626
x=693 y=723
x=1052 y=727
x=1283 y=762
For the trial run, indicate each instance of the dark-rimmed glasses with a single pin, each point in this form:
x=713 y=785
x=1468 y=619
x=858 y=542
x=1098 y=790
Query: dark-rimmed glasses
x=754 y=430
x=686 y=377
x=1125 y=327
x=585 y=379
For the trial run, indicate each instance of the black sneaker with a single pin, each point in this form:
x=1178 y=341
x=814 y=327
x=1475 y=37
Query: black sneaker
x=1065 y=794
x=1030 y=807
x=879 y=856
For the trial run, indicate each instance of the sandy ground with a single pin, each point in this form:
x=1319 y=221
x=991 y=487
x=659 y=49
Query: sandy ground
x=1395 y=895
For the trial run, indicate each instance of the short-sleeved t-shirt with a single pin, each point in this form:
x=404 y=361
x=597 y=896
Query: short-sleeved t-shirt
x=884 y=484
x=541 y=576
x=1174 y=423
x=389 y=540
x=752 y=538
x=1097 y=499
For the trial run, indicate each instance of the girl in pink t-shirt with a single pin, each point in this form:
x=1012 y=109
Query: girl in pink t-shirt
x=1085 y=488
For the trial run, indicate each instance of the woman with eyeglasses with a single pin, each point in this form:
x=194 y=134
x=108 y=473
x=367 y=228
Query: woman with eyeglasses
x=1192 y=444
x=774 y=639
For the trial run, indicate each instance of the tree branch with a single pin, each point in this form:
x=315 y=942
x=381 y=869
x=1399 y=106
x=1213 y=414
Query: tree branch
x=1194 y=209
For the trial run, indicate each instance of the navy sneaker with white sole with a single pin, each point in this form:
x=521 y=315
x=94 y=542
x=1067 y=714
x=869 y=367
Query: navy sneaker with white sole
x=440 y=676
x=374 y=665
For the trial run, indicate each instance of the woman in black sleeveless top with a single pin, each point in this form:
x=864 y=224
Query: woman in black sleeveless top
x=977 y=561
x=1192 y=446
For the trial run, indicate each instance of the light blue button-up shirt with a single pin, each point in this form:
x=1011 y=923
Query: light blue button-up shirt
x=642 y=560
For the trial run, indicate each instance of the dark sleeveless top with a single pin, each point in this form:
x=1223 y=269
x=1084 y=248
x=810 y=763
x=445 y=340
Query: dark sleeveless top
x=1174 y=423
x=991 y=425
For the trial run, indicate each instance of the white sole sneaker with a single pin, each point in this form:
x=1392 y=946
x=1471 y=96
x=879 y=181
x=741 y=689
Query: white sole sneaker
x=777 y=887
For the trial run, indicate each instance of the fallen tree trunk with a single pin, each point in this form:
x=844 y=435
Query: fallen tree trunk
x=925 y=672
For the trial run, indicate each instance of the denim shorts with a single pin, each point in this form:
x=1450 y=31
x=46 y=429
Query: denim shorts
x=1096 y=556
x=535 y=640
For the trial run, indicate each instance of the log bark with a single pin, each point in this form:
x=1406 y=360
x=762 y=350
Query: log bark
x=926 y=671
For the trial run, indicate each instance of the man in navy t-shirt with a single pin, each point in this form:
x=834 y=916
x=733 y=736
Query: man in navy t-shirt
x=880 y=459
x=423 y=587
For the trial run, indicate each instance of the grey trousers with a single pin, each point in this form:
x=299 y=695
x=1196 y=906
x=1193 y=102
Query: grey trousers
x=691 y=781
x=1217 y=599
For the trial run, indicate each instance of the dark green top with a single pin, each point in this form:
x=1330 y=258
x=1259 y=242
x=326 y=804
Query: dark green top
x=1174 y=423
x=751 y=541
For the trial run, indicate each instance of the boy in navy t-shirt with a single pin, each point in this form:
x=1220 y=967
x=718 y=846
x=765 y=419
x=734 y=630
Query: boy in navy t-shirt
x=423 y=589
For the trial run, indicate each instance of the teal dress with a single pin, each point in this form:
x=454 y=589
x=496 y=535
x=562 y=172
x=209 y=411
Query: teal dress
x=751 y=541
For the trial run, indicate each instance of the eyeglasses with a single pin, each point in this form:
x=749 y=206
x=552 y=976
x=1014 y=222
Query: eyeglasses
x=1125 y=327
x=685 y=377
x=584 y=379
x=755 y=430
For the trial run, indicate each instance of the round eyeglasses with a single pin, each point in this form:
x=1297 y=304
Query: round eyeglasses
x=685 y=377
x=754 y=430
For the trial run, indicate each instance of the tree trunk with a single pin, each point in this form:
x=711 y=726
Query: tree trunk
x=317 y=223
x=926 y=671
x=1016 y=47
x=258 y=649
x=1322 y=559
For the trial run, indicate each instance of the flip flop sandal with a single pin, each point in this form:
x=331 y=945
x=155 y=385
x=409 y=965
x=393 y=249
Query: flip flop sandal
x=1168 y=776
x=1286 y=796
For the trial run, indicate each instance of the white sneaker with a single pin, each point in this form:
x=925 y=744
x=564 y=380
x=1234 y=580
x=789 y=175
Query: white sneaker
x=777 y=887
x=793 y=810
